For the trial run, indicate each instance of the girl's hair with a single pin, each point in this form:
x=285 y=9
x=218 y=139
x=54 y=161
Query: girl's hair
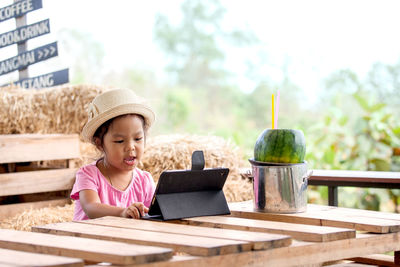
x=103 y=129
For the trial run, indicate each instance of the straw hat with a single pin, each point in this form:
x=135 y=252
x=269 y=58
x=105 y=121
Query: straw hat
x=111 y=104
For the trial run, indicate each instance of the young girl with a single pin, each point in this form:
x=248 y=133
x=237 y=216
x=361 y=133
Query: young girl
x=113 y=185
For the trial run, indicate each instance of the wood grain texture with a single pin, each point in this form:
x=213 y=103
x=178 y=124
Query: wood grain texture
x=298 y=254
x=37 y=147
x=20 y=258
x=296 y=231
x=83 y=248
x=256 y=239
x=377 y=260
x=356 y=176
x=19 y=183
x=323 y=216
x=344 y=176
x=194 y=245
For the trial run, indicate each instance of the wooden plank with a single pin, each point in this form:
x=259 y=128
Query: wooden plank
x=256 y=239
x=354 y=212
x=20 y=35
x=296 y=231
x=376 y=259
x=45 y=80
x=344 y=176
x=19 y=8
x=176 y=259
x=8 y=211
x=355 y=176
x=351 y=264
x=32 y=56
x=36 y=147
x=194 y=245
x=20 y=258
x=317 y=217
x=84 y=248
x=298 y=254
x=19 y=183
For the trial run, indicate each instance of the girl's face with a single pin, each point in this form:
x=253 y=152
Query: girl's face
x=123 y=144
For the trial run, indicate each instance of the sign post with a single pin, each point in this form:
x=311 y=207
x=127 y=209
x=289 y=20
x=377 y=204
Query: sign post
x=20 y=22
x=24 y=58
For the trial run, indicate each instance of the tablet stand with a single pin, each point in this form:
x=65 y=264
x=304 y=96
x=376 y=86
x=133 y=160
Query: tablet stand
x=191 y=193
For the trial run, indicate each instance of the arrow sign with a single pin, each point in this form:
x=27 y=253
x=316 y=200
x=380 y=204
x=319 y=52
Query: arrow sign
x=28 y=58
x=46 y=52
x=42 y=81
x=24 y=33
x=19 y=8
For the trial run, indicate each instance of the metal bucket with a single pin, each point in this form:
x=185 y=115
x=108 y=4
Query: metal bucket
x=280 y=188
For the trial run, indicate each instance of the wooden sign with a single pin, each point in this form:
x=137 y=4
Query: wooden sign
x=46 y=80
x=19 y=8
x=24 y=33
x=28 y=58
x=25 y=58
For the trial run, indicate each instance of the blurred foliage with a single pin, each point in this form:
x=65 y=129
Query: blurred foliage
x=357 y=133
x=195 y=46
x=353 y=126
x=86 y=66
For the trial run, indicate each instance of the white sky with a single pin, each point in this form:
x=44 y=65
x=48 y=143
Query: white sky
x=313 y=38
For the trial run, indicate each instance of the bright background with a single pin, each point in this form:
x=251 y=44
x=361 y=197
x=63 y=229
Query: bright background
x=306 y=39
x=336 y=64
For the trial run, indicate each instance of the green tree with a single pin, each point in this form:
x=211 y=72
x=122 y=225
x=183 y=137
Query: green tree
x=195 y=47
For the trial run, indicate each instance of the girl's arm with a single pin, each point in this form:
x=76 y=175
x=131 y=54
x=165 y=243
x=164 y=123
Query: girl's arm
x=93 y=208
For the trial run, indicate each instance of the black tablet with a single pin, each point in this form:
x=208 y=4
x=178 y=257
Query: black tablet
x=189 y=193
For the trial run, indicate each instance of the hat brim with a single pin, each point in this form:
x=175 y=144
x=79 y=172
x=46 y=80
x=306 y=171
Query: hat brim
x=91 y=126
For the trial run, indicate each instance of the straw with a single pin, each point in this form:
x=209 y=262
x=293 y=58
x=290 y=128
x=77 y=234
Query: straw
x=273 y=115
x=277 y=110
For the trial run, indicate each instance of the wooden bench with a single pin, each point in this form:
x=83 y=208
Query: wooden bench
x=335 y=178
x=25 y=185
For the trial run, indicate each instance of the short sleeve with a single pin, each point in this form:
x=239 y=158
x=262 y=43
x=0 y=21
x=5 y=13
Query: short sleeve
x=86 y=178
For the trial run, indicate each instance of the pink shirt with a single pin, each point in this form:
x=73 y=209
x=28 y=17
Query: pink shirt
x=141 y=189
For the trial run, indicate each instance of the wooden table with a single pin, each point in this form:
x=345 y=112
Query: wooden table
x=245 y=238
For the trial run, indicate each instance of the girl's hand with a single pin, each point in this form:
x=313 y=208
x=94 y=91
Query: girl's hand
x=136 y=210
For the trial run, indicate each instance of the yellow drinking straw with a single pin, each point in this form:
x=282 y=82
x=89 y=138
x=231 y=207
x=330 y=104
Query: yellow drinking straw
x=273 y=114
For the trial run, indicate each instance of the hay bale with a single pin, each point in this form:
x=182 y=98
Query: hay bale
x=173 y=152
x=61 y=109
x=165 y=152
x=25 y=220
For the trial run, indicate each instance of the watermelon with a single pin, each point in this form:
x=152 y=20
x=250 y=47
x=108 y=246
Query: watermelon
x=280 y=146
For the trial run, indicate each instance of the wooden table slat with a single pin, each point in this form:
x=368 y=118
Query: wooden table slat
x=20 y=258
x=194 y=245
x=296 y=231
x=298 y=254
x=360 y=213
x=257 y=239
x=326 y=216
x=84 y=248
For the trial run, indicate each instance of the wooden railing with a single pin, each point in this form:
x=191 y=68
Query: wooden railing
x=336 y=178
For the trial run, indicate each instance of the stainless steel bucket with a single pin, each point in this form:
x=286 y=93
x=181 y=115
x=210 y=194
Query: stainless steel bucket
x=280 y=188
